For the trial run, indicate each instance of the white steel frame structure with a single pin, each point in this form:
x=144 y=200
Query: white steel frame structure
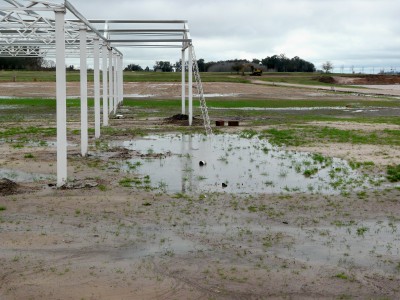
x=39 y=28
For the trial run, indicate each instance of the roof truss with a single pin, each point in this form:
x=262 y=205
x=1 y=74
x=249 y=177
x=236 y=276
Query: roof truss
x=27 y=28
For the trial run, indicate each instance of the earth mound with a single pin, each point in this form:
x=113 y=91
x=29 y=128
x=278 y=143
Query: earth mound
x=182 y=119
x=379 y=79
x=8 y=187
x=326 y=79
x=361 y=79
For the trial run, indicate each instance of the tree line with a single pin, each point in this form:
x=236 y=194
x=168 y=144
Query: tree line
x=275 y=63
x=22 y=63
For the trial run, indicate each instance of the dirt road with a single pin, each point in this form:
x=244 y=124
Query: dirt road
x=259 y=89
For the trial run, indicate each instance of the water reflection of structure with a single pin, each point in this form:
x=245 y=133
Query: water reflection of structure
x=189 y=181
x=186 y=162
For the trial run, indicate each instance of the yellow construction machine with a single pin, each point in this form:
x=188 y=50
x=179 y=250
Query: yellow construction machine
x=255 y=71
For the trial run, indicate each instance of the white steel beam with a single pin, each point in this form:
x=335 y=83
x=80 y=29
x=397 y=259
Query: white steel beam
x=190 y=82
x=96 y=79
x=83 y=80
x=183 y=83
x=110 y=81
x=77 y=14
x=116 y=89
x=105 y=84
x=138 y=21
x=61 y=94
x=121 y=79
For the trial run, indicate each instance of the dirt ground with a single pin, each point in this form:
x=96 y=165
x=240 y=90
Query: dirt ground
x=368 y=80
x=260 y=89
x=98 y=239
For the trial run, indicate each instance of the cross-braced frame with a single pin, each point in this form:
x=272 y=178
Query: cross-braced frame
x=57 y=30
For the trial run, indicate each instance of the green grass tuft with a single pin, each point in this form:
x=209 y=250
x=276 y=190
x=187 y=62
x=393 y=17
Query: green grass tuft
x=393 y=173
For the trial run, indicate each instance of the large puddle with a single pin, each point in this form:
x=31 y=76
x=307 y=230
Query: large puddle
x=237 y=165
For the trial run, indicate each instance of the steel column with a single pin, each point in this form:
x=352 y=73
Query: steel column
x=96 y=79
x=105 y=85
x=190 y=82
x=83 y=79
x=61 y=95
x=183 y=83
x=110 y=80
x=121 y=80
x=116 y=89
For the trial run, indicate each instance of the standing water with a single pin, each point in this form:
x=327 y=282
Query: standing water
x=235 y=164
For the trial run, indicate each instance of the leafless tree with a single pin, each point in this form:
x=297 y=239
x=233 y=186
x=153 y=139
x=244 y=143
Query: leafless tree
x=327 y=66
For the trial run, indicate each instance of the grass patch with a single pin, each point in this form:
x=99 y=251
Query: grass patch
x=27 y=132
x=309 y=172
x=362 y=230
x=43 y=102
x=233 y=103
x=248 y=133
x=393 y=173
x=342 y=276
x=102 y=187
x=347 y=136
x=306 y=135
x=282 y=137
x=300 y=78
x=127 y=182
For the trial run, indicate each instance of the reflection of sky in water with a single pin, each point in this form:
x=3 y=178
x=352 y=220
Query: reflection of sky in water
x=245 y=165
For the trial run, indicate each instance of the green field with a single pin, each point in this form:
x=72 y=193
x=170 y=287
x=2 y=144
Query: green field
x=18 y=115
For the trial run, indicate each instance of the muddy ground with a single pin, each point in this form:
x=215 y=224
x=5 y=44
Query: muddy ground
x=99 y=239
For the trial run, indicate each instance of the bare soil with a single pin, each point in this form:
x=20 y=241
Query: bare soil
x=366 y=80
x=96 y=239
x=260 y=89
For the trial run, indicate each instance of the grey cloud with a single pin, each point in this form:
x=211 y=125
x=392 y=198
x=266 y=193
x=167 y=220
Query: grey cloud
x=338 y=30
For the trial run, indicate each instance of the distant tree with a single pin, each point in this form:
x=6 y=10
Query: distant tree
x=202 y=65
x=21 y=63
x=164 y=66
x=147 y=69
x=48 y=65
x=281 y=63
x=208 y=65
x=278 y=63
x=133 y=67
x=237 y=67
x=178 y=66
x=327 y=67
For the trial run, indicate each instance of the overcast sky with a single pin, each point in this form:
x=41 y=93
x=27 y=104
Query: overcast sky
x=359 y=33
